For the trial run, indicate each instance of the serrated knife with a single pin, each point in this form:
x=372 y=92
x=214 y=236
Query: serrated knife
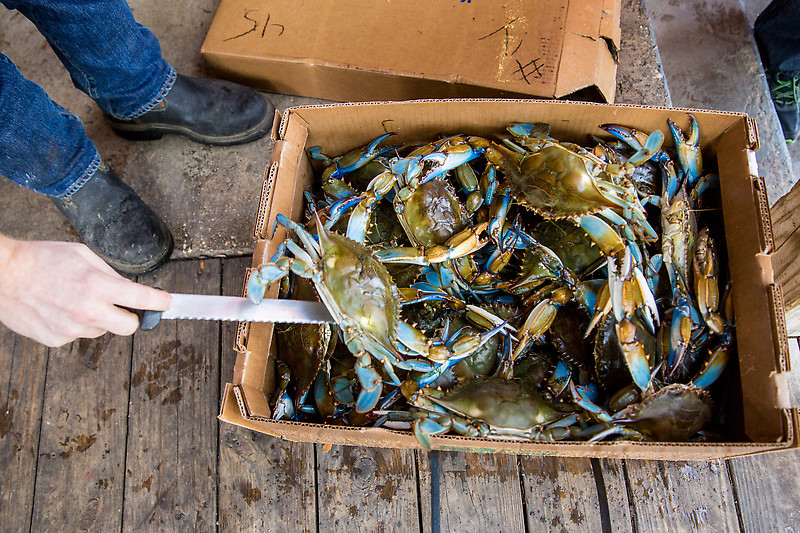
x=210 y=307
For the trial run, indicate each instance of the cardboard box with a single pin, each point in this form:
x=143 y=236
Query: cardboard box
x=757 y=410
x=356 y=50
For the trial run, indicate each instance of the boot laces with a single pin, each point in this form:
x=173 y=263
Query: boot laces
x=786 y=90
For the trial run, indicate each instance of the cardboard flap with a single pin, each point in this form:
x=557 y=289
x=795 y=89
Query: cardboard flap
x=589 y=51
x=276 y=125
x=251 y=402
x=610 y=26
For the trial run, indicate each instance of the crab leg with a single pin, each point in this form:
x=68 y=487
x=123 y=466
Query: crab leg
x=466 y=242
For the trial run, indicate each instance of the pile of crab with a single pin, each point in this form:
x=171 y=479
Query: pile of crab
x=519 y=287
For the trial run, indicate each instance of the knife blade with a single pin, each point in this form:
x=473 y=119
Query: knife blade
x=211 y=307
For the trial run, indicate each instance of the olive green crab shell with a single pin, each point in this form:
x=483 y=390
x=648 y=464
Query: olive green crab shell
x=432 y=213
x=499 y=402
x=556 y=183
x=673 y=414
x=360 y=286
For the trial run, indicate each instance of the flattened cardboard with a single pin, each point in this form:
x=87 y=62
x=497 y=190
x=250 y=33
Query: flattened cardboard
x=363 y=50
x=756 y=378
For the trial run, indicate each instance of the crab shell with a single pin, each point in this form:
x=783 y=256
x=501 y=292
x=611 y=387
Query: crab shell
x=359 y=289
x=431 y=214
x=556 y=183
x=675 y=413
x=304 y=347
x=505 y=405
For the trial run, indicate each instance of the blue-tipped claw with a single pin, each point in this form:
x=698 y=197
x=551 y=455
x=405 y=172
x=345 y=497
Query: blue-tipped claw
x=255 y=290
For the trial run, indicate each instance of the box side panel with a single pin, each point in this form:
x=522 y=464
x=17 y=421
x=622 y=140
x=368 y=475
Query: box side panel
x=347 y=84
x=434 y=49
x=752 y=279
x=383 y=438
x=342 y=127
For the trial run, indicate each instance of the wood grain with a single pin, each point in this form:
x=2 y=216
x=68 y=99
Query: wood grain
x=22 y=380
x=767 y=486
x=366 y=489
x=612 y=473
x=81 y=470
x=476 y=492
x=265 y=483
x=675 y=496
x=564 y=494
x=172 y=438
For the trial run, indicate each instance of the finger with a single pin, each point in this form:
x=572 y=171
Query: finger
x=137 y=296
x=66 y=335
x=120 y=322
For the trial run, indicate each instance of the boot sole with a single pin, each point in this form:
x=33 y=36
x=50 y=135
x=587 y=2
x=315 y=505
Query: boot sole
x=146 y=267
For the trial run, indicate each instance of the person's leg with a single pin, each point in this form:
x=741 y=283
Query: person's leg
x=118 y=62
x=44 y=148
x=777 y=34
x=109 y=56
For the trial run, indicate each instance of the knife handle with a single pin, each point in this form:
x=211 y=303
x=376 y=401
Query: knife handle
x=147 y=319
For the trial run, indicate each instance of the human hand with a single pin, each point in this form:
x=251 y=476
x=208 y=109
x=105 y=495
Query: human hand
x=56 y=292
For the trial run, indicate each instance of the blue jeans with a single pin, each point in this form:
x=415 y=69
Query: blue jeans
x=109 y=56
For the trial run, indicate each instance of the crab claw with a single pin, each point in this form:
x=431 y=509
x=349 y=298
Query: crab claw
x=424 y=428
x=716 y=363
x=634 y=352
x=368 y=153
x=689 y=153
x=371 y=387
x=450 y=157
x=255 y=289
x=582 y=397
x=680 y=334
x=651 y=146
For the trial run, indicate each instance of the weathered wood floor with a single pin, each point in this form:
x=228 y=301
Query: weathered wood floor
x=120 y=434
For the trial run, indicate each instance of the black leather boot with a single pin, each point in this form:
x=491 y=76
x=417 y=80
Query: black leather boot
x=116 y=224
x=205 y=110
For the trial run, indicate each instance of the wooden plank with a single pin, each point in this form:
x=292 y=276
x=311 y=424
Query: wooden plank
x=22 y=377
x=81 y=470
x=265 y=483
x=366 y=489
x=767 y=486
x=570 y=494
x=793 y=377
x=787 y=274
x=171 y=464
x=474 y=492
x=612 y=472
x=675 y=496
x=785 y=216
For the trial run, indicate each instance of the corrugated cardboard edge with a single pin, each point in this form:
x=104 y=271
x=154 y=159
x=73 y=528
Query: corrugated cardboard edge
x=235 y=410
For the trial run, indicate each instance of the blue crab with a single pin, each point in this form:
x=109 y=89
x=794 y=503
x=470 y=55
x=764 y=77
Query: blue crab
x=361 y=296
x=485 y=407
